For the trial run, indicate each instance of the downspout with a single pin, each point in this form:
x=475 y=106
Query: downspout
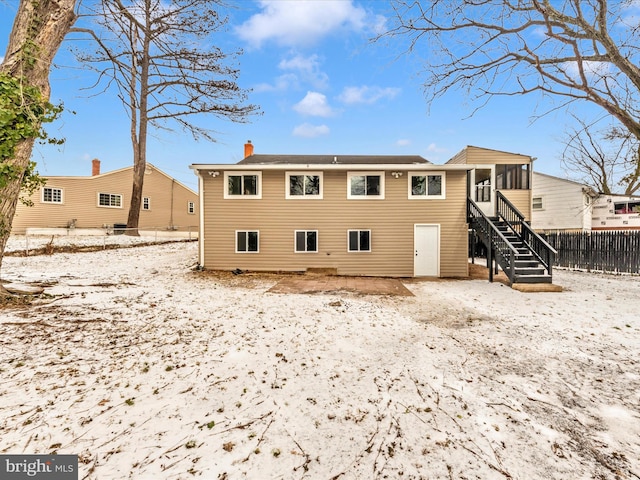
x=201 y=220
x=171 y=226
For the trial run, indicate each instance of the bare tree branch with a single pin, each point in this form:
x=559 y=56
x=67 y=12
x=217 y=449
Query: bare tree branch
x=606 y=159
x=574 y=50
x=158 y=55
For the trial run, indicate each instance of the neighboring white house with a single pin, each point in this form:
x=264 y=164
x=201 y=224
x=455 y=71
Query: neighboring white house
x=616 y=212
x=560 y=205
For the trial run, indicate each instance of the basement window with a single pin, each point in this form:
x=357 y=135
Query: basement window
x=359 y=240
x=247 y=241
x=306 y=241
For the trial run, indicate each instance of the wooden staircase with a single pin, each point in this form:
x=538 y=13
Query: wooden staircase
x=511 y=243
x=527 y=269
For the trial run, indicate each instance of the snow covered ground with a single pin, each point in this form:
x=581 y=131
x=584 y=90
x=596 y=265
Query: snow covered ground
x=148 y=369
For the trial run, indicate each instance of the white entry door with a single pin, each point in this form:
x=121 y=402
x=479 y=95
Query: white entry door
x=426 y=241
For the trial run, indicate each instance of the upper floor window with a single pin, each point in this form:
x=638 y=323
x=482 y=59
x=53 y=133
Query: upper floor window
x=304 y=185
x=427 y=185
x=51 y=195
x=243 y=185
x=365 y=185
x=110 y=200
x=513 y=177
x=146 y=203
x=191 y=207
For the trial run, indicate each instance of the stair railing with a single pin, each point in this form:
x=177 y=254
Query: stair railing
x=493 y=239
x=509 y=214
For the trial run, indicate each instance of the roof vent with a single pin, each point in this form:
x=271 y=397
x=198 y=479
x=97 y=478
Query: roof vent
x=335 y=159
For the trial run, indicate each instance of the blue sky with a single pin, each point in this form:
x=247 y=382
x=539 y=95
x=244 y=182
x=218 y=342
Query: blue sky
x=323 y=88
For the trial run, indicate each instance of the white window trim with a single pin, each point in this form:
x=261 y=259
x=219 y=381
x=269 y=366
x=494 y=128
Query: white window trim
x=287 y=193
x=541 y=207
x=148 y=203
x=359 y=230
x=295 y=234
x=241 y=173
x=365 y=197
x=111 y=195
x=235 y=241
x=426 y=196
x=191 y=208
x=52 y=202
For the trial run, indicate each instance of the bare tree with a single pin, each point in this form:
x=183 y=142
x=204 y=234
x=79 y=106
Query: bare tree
x=158 y=55
x=603 y=159
x=572 y=50
x=38 y=30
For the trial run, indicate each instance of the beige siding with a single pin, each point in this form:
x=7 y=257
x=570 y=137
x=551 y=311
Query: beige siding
x=460 y=158
x=521 y=199
x=485 y=156
x=391 y=222
x=168 y=201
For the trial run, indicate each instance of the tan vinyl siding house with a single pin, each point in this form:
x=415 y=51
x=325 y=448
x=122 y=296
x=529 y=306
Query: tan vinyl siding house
x=384 y=215
x=101 y=201
x=398 y=230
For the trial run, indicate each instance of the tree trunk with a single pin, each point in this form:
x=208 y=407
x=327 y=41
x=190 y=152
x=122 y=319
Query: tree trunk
x=38 y=30
x=139 y=132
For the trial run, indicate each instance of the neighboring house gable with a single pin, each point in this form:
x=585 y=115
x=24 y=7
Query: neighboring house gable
x=102 y=201
x=560 y=205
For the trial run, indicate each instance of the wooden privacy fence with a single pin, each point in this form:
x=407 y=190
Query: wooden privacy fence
x=615 y=251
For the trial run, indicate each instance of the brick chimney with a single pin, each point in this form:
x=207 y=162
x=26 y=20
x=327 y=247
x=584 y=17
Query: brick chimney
x=95 y=167
x=248 y=149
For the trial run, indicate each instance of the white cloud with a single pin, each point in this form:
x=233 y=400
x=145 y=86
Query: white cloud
x=593 y=70
x=299 y=70
x=314 y=104
x=282 y=83
x=307 y=68
x=366 y=94
x=299 y=23
x=403 y=142
x=310 y=131
x=433 y=148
